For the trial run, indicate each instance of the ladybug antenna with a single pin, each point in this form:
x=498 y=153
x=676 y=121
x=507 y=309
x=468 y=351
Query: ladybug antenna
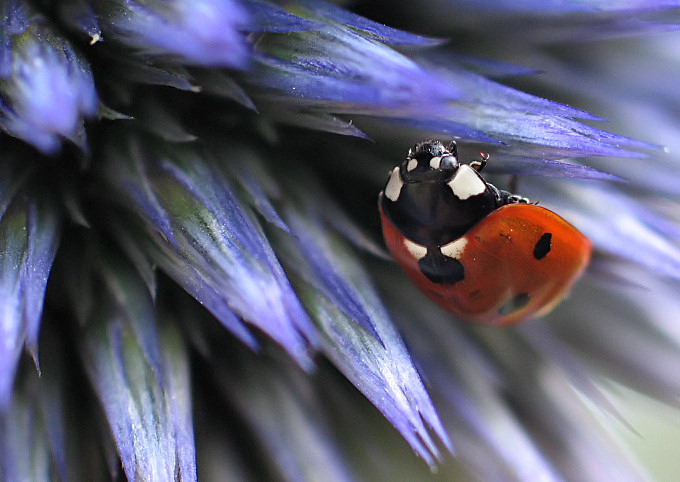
x=453 y=148
x=478 y=165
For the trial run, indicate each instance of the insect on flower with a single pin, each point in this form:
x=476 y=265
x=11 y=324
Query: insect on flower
x=485 y=254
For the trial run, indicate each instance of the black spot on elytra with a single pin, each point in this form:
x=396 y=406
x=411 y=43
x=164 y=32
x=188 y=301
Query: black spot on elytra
x=543 y=245
x=515 y=303
x=441 y=269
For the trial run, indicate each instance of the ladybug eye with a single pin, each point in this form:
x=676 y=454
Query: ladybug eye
x=447 y=164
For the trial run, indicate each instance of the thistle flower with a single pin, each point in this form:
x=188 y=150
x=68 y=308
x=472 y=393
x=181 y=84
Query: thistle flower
x=193 y=283
x=47 y=88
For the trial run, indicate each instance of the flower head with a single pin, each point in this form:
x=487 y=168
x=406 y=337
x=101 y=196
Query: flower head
x=197 y=276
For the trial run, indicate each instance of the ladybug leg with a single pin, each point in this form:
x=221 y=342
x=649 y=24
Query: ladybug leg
x=478 y=165
x=509 y=198
x=505 y=197
x=453 y=149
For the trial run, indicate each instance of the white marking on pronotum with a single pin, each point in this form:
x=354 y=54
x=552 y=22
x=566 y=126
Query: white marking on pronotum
x=435 y=162
x=416 y=250
x=394 y=185
x=455 y=248
x=466 y=183
x=412 y=164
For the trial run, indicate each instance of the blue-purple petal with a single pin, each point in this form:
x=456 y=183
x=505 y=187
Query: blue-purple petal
x=79 y=15
x=379 y=31
x=53 y=388
x=16 y=16
x=157 y=73
x=429 y=93
x=530 y=166
x=547 y=134
x=480 y=90
x=259 y=187
x=605 y=322
x=158 y=119
x=543 y=340
x=506 y=7
x=537 y=22
x=204 y=32
x=608 y=137
x=356 y=332
x=335 y=65
x=142 y=392
x=30 y=235
x=217 y=82
x=24 y=447
x=49 y=91
x=318 y=121
x=468 y=387
x=178 y=382
x=327 y=273
x=220 y=256
x=5 y=54
x=438 y=127
x=208 y=295
x=133 y=179
x=43 y=228
x=487 y=67
x=285 y=413
x=270 y=18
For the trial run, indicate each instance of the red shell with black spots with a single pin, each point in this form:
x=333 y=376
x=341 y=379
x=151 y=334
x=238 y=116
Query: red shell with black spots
x=518 y=262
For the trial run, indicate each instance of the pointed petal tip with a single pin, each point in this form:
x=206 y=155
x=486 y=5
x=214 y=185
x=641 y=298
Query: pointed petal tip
x=531 y=166
x=212 y=35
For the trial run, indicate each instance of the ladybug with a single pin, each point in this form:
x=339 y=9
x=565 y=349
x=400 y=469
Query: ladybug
x=485 y=254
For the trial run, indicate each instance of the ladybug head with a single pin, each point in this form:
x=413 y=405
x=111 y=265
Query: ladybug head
x=430 y=161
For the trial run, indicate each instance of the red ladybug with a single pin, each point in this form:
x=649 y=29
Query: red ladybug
x=485 y=254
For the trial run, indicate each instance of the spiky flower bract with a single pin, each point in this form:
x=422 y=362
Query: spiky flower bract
x=192 y=279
